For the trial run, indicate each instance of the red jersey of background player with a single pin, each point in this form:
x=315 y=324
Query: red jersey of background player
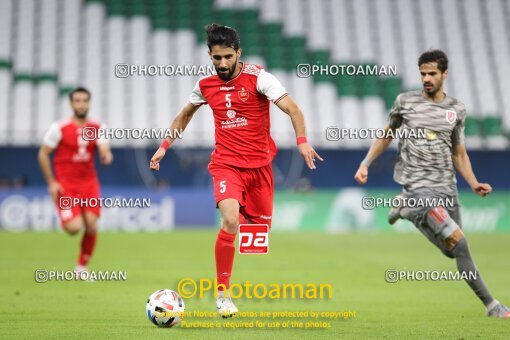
x=74 y=156
x=241 y=115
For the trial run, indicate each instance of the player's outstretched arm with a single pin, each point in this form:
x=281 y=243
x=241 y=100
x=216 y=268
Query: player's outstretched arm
x=463 y=165
x=308 y=153
x=376 y=149
x=45 y=164
x=179 y=124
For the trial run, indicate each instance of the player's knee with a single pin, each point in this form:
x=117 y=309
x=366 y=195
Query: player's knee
x=445 y=228
x=441 y=223
x=72 y=228
x=231 y=223
x=74 y=225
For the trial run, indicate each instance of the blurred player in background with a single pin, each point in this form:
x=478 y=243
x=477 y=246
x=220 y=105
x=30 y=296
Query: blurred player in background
x=75 y=174
x=426 y=168
x=240 y=165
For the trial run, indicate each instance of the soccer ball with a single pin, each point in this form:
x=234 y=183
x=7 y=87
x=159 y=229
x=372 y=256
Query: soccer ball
x=165 y=308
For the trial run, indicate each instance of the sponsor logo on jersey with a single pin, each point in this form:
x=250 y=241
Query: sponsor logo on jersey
x=233 y=121
x=243 y=94
x=227 y=88
x=430 y=135
x=451 y=116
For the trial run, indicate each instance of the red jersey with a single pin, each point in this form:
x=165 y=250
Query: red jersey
x=74 y=156
x=241 y=115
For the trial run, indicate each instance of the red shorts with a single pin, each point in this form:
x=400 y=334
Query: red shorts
x=252 y=188
x=66 y=207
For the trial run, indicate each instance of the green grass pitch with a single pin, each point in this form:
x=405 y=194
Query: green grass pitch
x=354 y=264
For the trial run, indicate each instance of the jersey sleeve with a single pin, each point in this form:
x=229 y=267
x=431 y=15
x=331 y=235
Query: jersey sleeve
x=458 y=131
x=268 y=85
x=196 y=97
x=395 y=116
x=53 y=136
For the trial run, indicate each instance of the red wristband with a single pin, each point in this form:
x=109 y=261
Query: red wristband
x=165 y=145
x=301 y=140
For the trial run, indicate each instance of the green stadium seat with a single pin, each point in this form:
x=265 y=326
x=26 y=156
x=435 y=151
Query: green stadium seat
x=472 y=126
x=23 y=77
x=319 y=57
x=367 y=85
x=345 y=85
x=4 y=63
x=137 y=8
x=296 y=52
x=491 y=126
x=390 y=88
x=225 y=17
x=46 y=77
x=115 y=7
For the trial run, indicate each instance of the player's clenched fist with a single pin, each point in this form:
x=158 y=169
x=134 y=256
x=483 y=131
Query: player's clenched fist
x=158 y=156
x=361 y=175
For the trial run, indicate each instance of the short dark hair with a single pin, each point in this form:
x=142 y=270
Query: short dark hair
x=434 y=56
x=222 y=35
x=79 y=89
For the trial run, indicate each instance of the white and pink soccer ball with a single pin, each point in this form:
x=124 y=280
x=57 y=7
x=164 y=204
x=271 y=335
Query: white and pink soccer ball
x=165 y=308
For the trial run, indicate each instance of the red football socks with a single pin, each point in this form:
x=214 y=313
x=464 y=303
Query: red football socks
x=224 y=251
x=88 y=242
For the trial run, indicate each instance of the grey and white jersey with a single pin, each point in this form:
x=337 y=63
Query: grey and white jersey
x=425 y=159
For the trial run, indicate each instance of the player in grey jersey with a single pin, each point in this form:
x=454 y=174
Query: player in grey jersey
x=426 y=168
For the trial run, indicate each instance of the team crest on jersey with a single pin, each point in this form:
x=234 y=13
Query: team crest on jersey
x=451 y=116
x=243 y=94
x=231 y=114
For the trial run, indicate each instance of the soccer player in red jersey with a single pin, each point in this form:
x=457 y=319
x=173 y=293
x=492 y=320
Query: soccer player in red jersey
x=240 y=166
x=75 y=174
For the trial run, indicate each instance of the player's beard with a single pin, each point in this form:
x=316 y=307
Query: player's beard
x=226 y=76
x=432 y=91
x=82 y=114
